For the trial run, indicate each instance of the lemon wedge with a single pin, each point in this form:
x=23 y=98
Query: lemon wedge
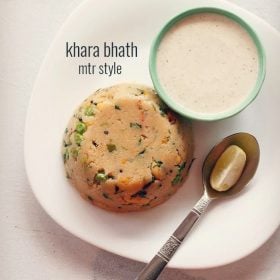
x=228 y=168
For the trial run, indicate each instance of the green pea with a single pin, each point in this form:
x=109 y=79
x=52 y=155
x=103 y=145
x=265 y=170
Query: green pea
x=81 y=127
x=78 y=138
x=100 y=177
x=89 y=111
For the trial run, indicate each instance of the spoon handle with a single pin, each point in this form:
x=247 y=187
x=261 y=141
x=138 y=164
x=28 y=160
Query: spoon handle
x=153 y=269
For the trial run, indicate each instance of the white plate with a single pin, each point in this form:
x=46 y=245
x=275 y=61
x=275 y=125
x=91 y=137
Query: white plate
x=230 y=229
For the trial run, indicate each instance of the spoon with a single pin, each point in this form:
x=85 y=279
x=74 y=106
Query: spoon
x=249 y=145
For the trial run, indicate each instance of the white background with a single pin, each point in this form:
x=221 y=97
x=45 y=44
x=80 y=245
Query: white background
x=32 y=246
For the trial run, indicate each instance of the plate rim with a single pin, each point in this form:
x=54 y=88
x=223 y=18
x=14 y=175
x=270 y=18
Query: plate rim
x=77 y=9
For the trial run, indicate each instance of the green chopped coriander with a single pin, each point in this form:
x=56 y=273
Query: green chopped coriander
x=182 y=166
x=146 y=205
x=142 y=193
x=142 y=137
x=177 y=179
x=111 y=147
x=66 y=144
x=81 y=127
x=163 y=110
x=135 y=125
x=74 y=153
x=94 y=143
x=149 y=183
x=78 y=138
x=89 y=111
x=105 y=195
x=141 y=91
x=158 y=163
x=142 y=152
x=66 y=155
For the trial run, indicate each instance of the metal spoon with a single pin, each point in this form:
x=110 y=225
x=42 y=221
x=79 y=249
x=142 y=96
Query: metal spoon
x=249 y=145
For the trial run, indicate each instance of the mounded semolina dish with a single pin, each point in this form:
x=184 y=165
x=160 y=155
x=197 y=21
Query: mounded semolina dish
x=124 y=150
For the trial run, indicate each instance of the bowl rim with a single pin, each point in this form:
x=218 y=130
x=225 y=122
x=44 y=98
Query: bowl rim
x=178 y=107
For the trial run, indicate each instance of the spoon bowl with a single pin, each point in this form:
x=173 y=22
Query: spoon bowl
x=249 y=144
